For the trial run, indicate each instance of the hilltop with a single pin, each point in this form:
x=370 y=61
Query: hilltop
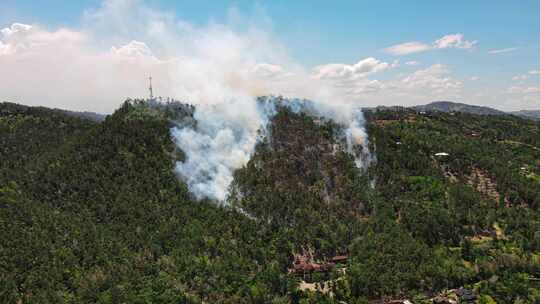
x=528 y=114
x=9 y=107
x=449 y=106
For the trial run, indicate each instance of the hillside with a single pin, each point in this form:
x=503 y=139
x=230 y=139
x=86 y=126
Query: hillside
x=19 y=108
x=92 y=212
x=528 y=114
x=448 y=106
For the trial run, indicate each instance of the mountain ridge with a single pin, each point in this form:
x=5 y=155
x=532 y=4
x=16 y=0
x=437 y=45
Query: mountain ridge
x=94 y=213
x=450 y=106
x=21 y=108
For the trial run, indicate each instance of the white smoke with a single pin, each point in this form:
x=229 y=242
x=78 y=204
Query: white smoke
x=226 y=133
x=346 y=114
x=220 y=68
x=222 y=141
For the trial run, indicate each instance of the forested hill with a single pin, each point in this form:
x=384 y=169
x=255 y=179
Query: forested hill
x=449 y=106
x=532 y=114
x=92 y=212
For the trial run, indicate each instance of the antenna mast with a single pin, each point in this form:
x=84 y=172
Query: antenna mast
x=150 y=88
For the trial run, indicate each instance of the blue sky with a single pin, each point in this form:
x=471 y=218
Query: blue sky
x=317 y=33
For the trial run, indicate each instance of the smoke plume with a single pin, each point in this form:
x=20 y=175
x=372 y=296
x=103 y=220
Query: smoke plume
x=221 y=142
x=226 y=133
x=220 y=68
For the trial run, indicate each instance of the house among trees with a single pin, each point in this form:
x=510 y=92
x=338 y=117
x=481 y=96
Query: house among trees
x=466 y=296
x=398 y=302
x=304 y=266
x=443 y=300
x=339 y=259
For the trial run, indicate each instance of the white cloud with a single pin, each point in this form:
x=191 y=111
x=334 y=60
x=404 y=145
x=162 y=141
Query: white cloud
x=432 y=83
x=474 y=78
x=352 y=80
x=362 y=68
x=524 y=90
x=407 y=48
x=456 y=41
x=520 y=77
x=64 y=68
x=412 y=63
x=268 y=70
x=23 y=38
x=3 y=48
x=526 y=76
x=14 y=29
x=434 y=78
x=134 y=49
x=502 y=51
x=523 y=97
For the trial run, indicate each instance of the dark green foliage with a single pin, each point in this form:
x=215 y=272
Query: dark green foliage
x=440 y=202
x=93 y=212
x=105 y=220
x=298 y=182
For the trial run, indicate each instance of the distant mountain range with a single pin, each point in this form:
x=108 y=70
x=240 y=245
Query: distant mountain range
x=97 y=117
x=440 y=106
x=448 y=106
x=533 y=114
x=7 y=107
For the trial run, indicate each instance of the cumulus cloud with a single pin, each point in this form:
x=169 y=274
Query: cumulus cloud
x=502 y=51
x=523 y=96
x=456 y=41
x=134 y=49
x=352 y=81
x=12 y=38
x=526 y=76
x=64 y=68
x=453 y=41
x=524 y=90
x=268 y=70
x=435 y=78
x=520 y=77
x=412 y=63
x=362 y=68
x=407 y=48
x=432 y=83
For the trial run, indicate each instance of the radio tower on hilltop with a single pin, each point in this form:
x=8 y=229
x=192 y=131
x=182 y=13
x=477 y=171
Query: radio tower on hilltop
x=150 y=88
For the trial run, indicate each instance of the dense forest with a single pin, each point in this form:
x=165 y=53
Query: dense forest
x=93 y=212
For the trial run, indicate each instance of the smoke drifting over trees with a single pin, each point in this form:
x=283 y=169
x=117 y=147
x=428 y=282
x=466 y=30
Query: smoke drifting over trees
x=225 y=135
x=216 y=68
